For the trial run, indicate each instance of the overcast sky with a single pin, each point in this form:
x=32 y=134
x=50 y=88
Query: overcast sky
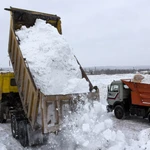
x=100 y=32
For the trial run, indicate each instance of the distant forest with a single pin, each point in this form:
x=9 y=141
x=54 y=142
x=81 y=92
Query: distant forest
x=98 y=71
x=109 y=71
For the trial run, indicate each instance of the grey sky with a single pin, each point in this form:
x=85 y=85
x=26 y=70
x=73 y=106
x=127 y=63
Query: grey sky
x=101 y=32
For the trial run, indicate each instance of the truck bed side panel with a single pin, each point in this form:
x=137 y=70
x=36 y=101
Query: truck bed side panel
x=27 y=90
x=140 y=93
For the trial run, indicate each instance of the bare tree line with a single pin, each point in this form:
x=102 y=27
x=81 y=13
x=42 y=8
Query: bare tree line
x=98 y=71
x=95 y=71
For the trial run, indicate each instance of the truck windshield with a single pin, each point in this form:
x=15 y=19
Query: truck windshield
x=114 y=88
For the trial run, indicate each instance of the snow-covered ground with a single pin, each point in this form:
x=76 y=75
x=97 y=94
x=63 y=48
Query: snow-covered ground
x=91 y=128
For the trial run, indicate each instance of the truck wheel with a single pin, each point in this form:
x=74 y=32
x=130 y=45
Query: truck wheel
x=22 y=133
x=2 y=112
x=119 y=112
x=14 y=126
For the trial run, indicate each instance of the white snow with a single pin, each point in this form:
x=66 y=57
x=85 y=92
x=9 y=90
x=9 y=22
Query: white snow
x=51 y=60
x=146 y=79
x=92 y=128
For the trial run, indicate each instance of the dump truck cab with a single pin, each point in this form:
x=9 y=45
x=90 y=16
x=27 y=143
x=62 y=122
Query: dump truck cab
x=7 y=83
x=114 y=93
x=118 y=98
x=8 y=94
x=117 y=93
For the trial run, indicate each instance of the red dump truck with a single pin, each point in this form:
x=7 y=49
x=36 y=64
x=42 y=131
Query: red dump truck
x=126 y=97
x=37 y=114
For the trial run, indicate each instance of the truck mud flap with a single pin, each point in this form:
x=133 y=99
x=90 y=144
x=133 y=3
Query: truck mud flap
x=35 y=137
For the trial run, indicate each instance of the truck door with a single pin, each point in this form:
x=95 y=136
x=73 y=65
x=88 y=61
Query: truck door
x=113 y=94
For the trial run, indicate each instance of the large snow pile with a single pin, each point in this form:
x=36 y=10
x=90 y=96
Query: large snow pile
x=51 y=60
x=90 y=128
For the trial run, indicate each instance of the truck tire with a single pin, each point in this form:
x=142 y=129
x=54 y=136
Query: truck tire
x=14 y=126
x=2 y=112
x=119 y=112
x=22 y=133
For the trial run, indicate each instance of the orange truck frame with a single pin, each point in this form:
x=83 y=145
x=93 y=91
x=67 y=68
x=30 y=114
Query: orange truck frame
x=126 y=97
x=38 y=114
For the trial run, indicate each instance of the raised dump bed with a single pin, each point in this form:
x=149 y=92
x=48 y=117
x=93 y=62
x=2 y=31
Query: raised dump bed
x=41 y=113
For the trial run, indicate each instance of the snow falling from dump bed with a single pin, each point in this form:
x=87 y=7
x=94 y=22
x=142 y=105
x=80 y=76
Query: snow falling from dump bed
x=51 y=61
x=92 y=128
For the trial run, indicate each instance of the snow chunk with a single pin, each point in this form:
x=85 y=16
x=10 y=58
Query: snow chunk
x=120 y=136
x=2 y=146
x=85 y=127
x=108 y=123
x=109 y=135
x=1 y=129
x=76 y=85
x=144 y=139
x=99 y=127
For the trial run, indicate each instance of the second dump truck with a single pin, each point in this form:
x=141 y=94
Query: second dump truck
x=33 y=114
x=126 y=97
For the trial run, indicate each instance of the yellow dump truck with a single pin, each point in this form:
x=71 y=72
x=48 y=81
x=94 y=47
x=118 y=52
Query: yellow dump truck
x=38 y=114
x=8 y=94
